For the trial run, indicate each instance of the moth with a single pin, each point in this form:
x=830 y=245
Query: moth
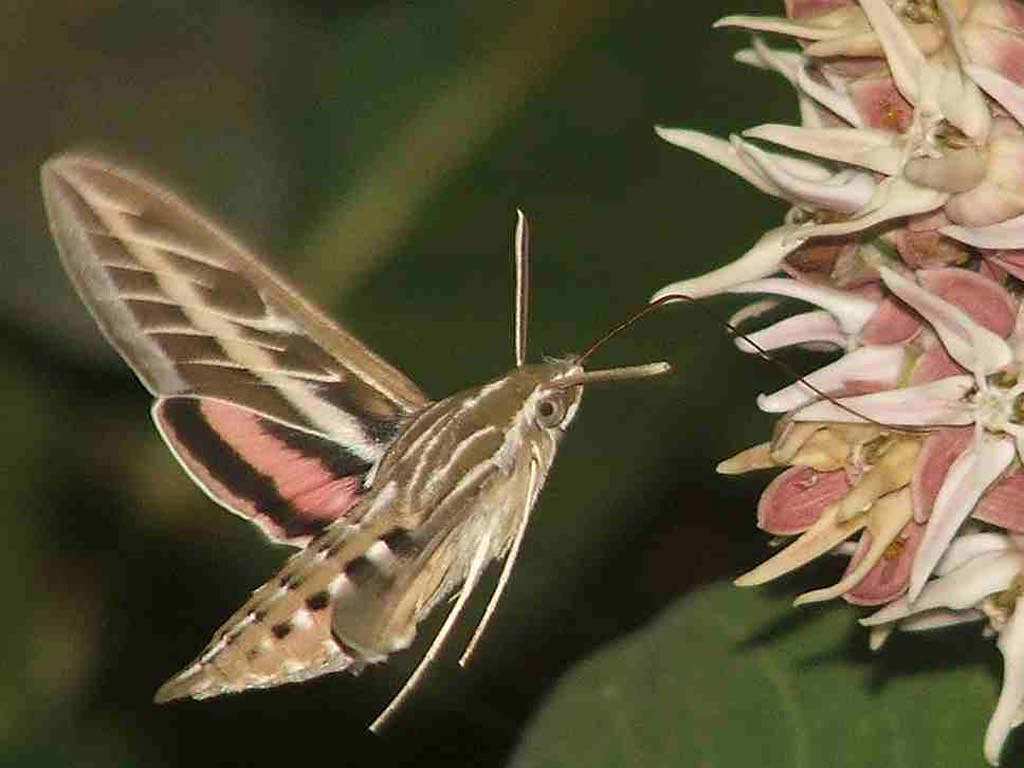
x=397 y=503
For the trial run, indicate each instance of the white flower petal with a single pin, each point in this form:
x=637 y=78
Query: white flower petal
x=969 y=476
x=771 y=164
x=786 y=63
x=953 y=29
x=717 y=151
x=894 y=198
x=970 y=344
x=1009 y=95
x=962 y=104
x=779 y=25
x=818 y=326
x=864 y=147
x=752 y=311
x=1006 y=234
x=970 y=546
x=808 y=183
x=963 y=588
x=850 y=310
x=939 y=619
x=763 y=259
x=1004 y=718
x=878 y=635
x=835 y=101
x=901 y=52
x=881 y=364
x=932 y=404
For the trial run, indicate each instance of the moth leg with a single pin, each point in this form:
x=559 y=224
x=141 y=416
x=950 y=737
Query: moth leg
x=506 y=570
x=476 y=567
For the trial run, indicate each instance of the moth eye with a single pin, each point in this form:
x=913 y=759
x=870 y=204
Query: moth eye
x=550 y=412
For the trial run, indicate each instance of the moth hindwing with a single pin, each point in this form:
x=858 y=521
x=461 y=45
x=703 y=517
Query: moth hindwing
x=286 y=419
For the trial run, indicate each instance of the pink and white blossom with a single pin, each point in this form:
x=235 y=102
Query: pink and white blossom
x=904 y=233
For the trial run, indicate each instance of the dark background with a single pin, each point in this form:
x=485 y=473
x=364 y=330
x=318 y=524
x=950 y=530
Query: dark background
x=376 y=153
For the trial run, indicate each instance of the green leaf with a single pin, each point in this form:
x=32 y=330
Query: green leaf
x=727 y=677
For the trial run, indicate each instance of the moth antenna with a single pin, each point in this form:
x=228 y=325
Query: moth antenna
x=476 y=567
x=521 y=244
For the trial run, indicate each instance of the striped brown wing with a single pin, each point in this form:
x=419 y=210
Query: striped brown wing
x=196 y=315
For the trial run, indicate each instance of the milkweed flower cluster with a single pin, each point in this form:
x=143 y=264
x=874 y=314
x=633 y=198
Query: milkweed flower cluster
x=905 y=233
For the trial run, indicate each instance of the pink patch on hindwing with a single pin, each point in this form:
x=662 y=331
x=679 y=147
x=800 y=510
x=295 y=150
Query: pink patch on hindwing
x=290 y=482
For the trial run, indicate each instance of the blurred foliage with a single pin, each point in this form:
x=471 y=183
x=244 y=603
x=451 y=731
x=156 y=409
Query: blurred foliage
x=731 y=677
x=376 y=151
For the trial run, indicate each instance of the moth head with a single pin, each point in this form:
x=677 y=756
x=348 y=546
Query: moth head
x=560 y=384
x=556 y=402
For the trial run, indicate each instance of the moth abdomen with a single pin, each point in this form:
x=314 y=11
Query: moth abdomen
x=284 y=633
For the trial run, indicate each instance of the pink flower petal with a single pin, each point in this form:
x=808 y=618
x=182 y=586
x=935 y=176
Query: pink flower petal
x=892 y=323
x=1001 y=50
x=972 y=345
x=889 y=577
x=933 y=365
x=817 y=326
x=937 y=455
x=968 y=478
x=928 y=248
x=881 y=105
x=937 y=403
x=881 y=366
x=1010 y=260
x=795 y=499
x=981 y=298
x=1003 y=503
